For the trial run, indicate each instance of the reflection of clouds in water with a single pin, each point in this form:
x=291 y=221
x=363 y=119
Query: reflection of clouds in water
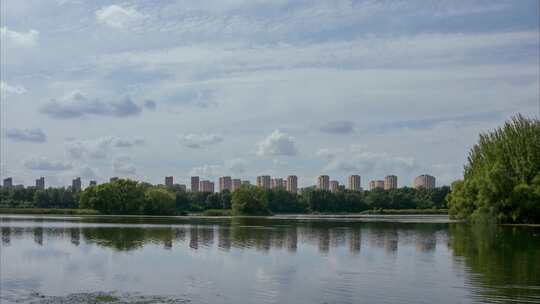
x=45 y=253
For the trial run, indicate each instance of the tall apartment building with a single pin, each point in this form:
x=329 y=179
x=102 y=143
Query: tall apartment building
x=169 y=181
x=40 y=183
x=355 y=183
x=76 y=184
x=278 y=183
x=8 y=182
x=323 y=182
x=390 y=182
x=225 y=183
x=113 y=179
x=264 y=181
x=195 y=184
x=206 y=186
x=292 y=183
x=180 y=187
x=334 y=186
x=236 y=183
x=376 y=184
x=424 y=181
x=92 y=183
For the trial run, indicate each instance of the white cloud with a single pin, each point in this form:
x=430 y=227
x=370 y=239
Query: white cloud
x=236 y=165
x=18 y=39
x=197 y=141
x=11 y=89
x=123 y=165
x=76 y=105
x=44 y=164
x=207 y=171
x=276 y=144
x=100 y=147
x=30 y=135
x=118 y=17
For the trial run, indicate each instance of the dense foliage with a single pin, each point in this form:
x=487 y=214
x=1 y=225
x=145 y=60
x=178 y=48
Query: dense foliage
x=31 y=197
x=250 y=200
x=502 y=177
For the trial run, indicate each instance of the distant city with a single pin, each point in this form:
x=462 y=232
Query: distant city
x=264 y=181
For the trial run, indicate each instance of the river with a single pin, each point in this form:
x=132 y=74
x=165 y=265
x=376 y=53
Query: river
x=373 y=259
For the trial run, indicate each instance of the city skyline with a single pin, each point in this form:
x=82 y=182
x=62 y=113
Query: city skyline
x=289 y=183
x=238 y=88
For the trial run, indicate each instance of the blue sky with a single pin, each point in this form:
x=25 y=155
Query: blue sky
x=144 y=89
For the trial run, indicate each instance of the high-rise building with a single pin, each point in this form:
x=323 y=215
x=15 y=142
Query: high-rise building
x=195 y=184
x=40 y=183
x=390 y=182
x=113 y=179
x=169 y=181
x=236 y=183
x=225 y=183
x=292 y=183
x=376 y=184
x=323 y=182
x=264 y=181
x=76 y=184
x=355 y=183
x=277 y=182
x=424 y=181
x=92 y=183
x=334 y=186
x=246 y=182
x=8 y=182
x=180 y=187
x=206 y=186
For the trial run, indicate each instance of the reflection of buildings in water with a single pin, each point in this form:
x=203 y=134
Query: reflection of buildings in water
x=355 y=240
x=180 y=234
x=224 y=237
x=426 y=242
x=324 y=240
x=338 y=237
x=38 y=235
x=6 y=235
x=263 y=240
x=168 y=239
x=193 y=238
x=207 y=236
x=75 y=235
x=292 y=239
x=391 y=239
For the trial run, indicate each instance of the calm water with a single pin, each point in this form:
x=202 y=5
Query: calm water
x=246 y=260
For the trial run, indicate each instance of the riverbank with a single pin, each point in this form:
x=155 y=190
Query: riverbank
x=47 y=211
x=222 y=212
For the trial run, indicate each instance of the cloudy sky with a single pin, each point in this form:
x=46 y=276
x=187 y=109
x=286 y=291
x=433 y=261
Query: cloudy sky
x=145 y=89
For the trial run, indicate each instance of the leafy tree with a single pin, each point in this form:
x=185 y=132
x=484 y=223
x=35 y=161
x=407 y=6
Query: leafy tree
x=501 y=179
x=250 y=200
x=159 y=202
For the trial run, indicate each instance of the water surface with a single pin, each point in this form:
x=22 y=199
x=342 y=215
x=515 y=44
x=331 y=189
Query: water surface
x=400 y=259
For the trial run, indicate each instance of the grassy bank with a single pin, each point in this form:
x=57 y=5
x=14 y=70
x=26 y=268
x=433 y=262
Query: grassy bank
x=48 y=211
x=406 y=211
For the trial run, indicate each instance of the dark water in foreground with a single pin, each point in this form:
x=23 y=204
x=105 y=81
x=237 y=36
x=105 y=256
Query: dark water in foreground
x=246 y=260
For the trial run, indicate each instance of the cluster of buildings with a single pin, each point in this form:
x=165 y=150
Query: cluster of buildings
x=290 y=183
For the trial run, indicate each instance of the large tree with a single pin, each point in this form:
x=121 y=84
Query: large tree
x=502 y=176
x=249 y=200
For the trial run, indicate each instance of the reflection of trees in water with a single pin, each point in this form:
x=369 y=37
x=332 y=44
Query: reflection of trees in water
x=256 y=233
x=6 y=235
x=507 y=259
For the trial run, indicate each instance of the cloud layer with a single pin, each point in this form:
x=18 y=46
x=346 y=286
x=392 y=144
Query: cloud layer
x=30 y=135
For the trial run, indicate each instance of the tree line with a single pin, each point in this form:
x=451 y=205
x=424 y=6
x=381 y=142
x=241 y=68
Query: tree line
x=131 y=197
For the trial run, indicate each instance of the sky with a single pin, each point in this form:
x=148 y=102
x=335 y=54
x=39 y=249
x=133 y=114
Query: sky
x=145 y=89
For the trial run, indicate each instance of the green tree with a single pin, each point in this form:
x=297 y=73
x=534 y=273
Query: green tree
x=159 y=202
x=501 y=179
x=249 y=200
